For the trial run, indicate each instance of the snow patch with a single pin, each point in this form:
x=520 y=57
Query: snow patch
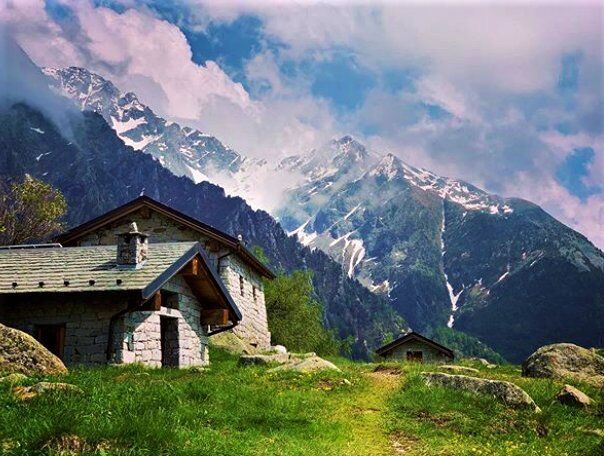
x=303 y=237
x=37 y=130
x=453 y=298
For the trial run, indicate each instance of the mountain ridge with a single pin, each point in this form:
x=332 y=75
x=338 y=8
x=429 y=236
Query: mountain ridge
x=439 y=249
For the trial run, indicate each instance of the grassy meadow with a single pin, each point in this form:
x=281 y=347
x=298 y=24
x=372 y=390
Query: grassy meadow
x=231 y=410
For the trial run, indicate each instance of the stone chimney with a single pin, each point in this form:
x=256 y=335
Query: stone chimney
x=132 y=248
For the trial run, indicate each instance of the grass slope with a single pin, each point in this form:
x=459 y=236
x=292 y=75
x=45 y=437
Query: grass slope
x=229 y=410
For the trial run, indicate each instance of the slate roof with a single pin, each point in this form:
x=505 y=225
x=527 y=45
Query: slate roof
x=70 y=236
x=27 y=268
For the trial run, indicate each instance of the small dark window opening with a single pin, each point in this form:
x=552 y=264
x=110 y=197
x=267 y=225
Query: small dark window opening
x=241 y=290
x=415 y=356
x=254 y=293
x=52 y=337
x=169 y=299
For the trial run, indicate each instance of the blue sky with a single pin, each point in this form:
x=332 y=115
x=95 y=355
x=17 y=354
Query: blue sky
x=508 y=98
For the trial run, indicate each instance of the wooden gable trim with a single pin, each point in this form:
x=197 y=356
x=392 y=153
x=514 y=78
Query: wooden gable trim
x=144 y=202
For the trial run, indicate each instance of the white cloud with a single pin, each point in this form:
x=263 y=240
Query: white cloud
x=494 y=67
x=135 y=50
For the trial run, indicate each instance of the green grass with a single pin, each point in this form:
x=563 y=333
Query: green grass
x=442 y=421
x=226 y=410
x=230 y=410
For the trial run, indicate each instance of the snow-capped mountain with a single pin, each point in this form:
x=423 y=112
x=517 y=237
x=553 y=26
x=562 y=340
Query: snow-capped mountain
x=183 y=150
x=446 y=252
x=442 y=251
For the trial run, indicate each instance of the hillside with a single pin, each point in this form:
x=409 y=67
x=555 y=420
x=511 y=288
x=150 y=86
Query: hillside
x=231 y=410
x=97 y=172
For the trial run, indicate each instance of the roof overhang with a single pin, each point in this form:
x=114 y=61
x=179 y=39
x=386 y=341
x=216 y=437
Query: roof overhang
x=201 y=278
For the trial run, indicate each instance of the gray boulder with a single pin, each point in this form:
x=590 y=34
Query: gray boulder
x=20 y=352
x=565 y=361
x=308 y=364
x=569 y=395
x=511 y=395
x=453 y=368
x=250 y=360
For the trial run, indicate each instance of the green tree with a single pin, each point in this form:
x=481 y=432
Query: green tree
x=295 y=318
x=30 y=211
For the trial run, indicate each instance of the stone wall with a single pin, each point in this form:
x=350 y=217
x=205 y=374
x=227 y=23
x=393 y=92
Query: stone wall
x=247 y=291
x=137 y=335
x=85 y=316
x=430 y=354
x=141 y=332
x=254 y=325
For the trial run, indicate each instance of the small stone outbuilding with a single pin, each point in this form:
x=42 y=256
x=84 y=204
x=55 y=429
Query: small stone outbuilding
x=413 y=347
x=155 y=304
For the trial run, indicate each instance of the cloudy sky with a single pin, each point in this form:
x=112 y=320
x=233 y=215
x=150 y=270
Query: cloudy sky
x=508 y=96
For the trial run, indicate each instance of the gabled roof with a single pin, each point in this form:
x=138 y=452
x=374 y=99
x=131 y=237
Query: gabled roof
x=414 y=336
x=196 y=225
x=94 y=269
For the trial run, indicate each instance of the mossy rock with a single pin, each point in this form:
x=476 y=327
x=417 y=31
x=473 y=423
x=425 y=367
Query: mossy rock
x=231 y=343
x=566 y=361
x=20 y=352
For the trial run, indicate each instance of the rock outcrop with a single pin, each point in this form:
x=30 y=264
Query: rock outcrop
x=565 y=361
x=310 y=364
x=231 y=343
x=453 y=368
x=511 y=395
x=569 y=395
x=20 y=352
x=301 y=362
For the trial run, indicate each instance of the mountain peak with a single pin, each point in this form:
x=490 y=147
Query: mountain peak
x=389 y=167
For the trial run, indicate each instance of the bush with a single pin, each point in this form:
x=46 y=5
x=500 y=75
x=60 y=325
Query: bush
x=295 y=318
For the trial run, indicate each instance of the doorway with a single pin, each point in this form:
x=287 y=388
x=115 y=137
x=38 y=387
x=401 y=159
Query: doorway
x=169 y=342
x=415 y=356
x=52 y=337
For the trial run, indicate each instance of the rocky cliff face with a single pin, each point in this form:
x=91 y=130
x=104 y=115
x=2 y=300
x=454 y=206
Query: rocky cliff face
x=183 y=150
x=97 y=172
x=448 y=253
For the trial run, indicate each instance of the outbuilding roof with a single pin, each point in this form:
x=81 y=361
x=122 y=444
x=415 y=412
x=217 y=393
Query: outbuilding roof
x=414 y=336
x=231 y=242
x=94 y=269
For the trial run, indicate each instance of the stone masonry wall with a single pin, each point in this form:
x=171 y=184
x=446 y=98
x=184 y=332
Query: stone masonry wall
x=137 y=337
x=141 y=331
x=254 y=325
x=430 y=354
x=247 y=291
x=86 y=320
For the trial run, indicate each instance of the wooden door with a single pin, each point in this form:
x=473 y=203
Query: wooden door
x=415 y=356
x=52 y=337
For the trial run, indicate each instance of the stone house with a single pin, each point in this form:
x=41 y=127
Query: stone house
x=240 y=271
x=132 y=302
x=414 y=347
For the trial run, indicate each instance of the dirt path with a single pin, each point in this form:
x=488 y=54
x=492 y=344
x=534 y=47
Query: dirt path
x=369 y=416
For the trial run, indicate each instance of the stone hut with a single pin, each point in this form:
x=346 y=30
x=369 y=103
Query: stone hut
x=155 y=304
x=414 y=347
x=241 y=272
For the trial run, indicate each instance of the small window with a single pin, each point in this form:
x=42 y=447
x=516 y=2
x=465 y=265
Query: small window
x=52 y=337
x=241 y=290
x=254 y=294
x=415 y=356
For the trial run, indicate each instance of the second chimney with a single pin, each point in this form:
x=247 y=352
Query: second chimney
x=132 y=247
